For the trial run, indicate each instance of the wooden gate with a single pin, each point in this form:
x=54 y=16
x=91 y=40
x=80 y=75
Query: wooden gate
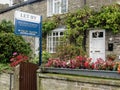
x=28 y=78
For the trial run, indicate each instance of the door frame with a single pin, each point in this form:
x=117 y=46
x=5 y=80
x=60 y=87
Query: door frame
x=90 y=38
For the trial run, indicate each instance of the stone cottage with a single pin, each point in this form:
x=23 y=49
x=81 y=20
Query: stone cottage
x=105 y=43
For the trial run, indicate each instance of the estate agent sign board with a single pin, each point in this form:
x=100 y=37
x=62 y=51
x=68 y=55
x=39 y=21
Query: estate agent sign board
x=27 y=24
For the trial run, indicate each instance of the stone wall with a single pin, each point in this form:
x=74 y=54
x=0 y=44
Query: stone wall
x=3 y=6
x=5 y=81
x=68 y=82
x=115 y=39
x=40 y=7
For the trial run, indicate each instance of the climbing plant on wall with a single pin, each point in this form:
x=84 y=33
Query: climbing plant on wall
x=77 y=23
x=107 y=18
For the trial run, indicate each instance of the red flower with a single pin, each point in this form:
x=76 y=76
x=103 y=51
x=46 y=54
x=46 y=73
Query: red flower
x=16 y=59
x=19 y=57
x=86 y=64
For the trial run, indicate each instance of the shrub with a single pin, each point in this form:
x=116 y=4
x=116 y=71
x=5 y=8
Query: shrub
x=45 y=56
x=10 y=43
x=68 y=51
x=6 y=26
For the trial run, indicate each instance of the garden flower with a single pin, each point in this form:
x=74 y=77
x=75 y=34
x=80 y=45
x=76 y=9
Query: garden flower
x=15 y=53
x=119 y=68
x=17 y=58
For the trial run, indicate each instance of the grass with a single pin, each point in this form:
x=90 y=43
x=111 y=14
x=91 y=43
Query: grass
x=5 y=67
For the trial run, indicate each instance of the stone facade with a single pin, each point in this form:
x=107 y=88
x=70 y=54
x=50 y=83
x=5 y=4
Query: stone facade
x=17 y=1
x=39 y=7
x=3 y=6
x=115 y=40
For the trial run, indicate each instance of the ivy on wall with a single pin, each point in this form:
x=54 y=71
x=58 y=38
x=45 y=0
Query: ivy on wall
x=51 y=23
x=107 y=18
x=77 y=23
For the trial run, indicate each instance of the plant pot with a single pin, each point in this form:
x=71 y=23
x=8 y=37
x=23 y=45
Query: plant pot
x=83 y=72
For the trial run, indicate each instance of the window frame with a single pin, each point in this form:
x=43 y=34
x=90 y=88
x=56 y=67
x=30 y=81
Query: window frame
x=51 y=7
x=52 y=41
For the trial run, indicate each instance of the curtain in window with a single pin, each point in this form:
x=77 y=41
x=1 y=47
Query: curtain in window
x=56 y=7
x=63 y=6
x=49 y=7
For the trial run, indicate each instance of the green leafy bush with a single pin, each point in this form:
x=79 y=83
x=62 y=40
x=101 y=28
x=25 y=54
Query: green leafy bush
x=107 y=18
x=45 y=56
x=68 y=51
x=10 y=43
x=5 y=67
x=6 y=26
x=47 y=26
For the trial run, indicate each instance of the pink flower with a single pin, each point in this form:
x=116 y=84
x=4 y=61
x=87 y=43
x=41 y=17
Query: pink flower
x=15 y=53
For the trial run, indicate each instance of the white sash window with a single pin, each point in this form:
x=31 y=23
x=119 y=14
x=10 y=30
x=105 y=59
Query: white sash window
x=56 y=7
x=53 y=39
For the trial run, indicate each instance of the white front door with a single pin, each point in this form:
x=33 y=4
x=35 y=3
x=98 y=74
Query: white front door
x=97 y=44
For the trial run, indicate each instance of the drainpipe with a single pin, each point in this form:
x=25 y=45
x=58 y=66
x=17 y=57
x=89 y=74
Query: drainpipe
x=84 y=37
x=84 y=40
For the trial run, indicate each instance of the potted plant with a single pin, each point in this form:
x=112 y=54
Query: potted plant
x=82 y=65
x=111 y=57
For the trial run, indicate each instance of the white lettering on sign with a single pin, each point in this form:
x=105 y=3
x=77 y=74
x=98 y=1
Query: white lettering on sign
x=27 y=17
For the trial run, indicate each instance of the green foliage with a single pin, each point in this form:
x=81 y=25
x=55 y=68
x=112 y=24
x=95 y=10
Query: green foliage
x=10 y=43
x=6 y=26
x=69 y=51
x=107 y=18
x=35 y=59
x=4 y=67
x=45 y=56
x=51 y=23
x=76 y=25
x=48 y=25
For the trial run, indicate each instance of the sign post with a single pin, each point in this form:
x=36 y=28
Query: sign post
x=29 y=25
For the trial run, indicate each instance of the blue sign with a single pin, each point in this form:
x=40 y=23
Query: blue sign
x=27 y=28
x=28 y=24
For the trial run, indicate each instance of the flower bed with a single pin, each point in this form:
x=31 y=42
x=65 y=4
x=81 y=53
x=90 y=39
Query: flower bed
x=83 y=65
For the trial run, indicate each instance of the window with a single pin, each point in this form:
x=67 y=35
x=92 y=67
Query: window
x=97 y=34
x=56 y=7
x=53 y=39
